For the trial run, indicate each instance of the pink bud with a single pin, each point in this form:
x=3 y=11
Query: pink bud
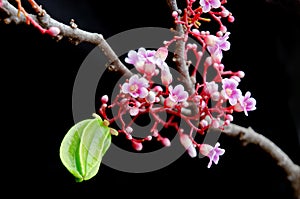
x=53 y=31
x=196 y=32
x=157 y=89
x=192 y=151
x=241 y=74
x=104 y=99
x=208 y=61
x=203 y=123
x=150 y=97
x=215 y=96
x=229 y=117
x=225 y=13
x=137 y=145
x=148 y=138
x=223 y=28
x=219 y=34
x=185 y=140
x=155 y=133
x=138 y=104
x=128 y=137
x=175 y=14
x=231 y=18
x=215 y=124
x=166 y=142
x=129 y=129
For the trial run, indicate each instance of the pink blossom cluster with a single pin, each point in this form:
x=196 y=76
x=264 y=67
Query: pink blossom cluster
x=141 y=95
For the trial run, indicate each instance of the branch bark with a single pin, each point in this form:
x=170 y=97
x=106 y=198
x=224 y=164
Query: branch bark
x=249 y=136
x=179 y=54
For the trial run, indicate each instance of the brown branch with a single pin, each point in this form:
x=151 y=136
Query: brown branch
x=179 y=53
x=74 y=35
x=249 y=136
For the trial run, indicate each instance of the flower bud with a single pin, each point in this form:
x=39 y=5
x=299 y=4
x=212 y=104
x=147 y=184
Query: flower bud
x=231 y=18
x=137 y=145
x=175 y=14
x=185 y=140
x=229 y=117
x=148 y=138
x=53 y=31
x=104 y=99
x=157 y=89
x=223 y=29
x=192 y=151
x=203 y=123
x=150 y=97
x=129 y=129
x=215 y=124
x=241 y=74
x=224 y=13
x=166 y=142
x=215 y=96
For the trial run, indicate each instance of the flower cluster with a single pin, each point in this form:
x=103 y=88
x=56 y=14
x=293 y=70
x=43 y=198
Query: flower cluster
x=140 y=94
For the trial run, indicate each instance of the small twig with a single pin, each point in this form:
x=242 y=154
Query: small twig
x=67 y=31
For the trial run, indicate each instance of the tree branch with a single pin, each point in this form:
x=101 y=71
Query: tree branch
x=74 y=35
x=249 y=136
x=179 y=53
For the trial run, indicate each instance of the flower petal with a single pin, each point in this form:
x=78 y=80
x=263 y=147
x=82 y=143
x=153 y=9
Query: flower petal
x=143 y=92
x=125 y=88
x=215 y=3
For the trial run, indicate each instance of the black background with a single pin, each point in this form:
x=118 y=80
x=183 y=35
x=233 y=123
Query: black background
x=37 y=81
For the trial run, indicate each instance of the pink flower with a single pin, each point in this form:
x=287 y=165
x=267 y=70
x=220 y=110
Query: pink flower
x=215 y=45
x=208 y=4
x=230 y=90
x=178 y=94
x=145 y=61
x=245 y=103
x=140 y=58
x=160 y=56
x=212 y=153
x=136 y=87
